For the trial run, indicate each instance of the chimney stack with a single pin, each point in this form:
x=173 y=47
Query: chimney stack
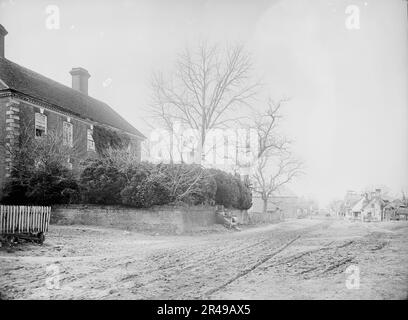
x=80 y=78
x=3 y=33
x=378 y=193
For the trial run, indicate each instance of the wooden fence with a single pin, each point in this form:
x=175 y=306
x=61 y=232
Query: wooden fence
x=24 y=219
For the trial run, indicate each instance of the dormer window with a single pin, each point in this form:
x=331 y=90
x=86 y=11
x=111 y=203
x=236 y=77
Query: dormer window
x=40 y=124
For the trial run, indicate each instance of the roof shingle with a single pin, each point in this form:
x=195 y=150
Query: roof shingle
x=37 y=86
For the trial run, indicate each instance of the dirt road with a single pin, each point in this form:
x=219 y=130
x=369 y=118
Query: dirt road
x=297 y=259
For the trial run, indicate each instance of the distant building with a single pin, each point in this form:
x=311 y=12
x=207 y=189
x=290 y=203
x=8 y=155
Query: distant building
x=350 y=199
x=369 y=207
x=395 y=210
x=286 y=201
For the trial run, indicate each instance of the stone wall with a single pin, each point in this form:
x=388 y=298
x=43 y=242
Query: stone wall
x=268 y=217
x=160 y=219
x=246 y=217
x=241 y=215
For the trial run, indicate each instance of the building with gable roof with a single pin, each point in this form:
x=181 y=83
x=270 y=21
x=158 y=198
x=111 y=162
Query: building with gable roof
x=32 y=102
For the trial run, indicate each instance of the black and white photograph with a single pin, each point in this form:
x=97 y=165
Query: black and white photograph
x=203 y=150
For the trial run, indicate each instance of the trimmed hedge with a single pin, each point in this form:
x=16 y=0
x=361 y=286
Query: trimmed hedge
x=145 y=192
x=118 y=181
x=144 y=185
x=101 y=182
x=232 y=192
x=44 y=185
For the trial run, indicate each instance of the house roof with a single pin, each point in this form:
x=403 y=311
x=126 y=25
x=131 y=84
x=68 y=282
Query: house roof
x=364 y=203
x=374 y=200
x=20 y=79
x=402 y=210
x=359 y=205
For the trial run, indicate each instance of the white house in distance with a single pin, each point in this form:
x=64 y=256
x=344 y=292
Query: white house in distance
x=369 y=207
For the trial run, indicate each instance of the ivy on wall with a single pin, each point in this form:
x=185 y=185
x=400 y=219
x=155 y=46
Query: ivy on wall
x=108 y=139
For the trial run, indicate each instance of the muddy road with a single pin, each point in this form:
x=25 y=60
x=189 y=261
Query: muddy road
x=297 y=259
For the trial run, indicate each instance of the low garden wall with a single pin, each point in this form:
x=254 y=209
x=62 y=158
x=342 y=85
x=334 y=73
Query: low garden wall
x=245 y=217
x=160 y=219
x=268 y=217
x=241 y=215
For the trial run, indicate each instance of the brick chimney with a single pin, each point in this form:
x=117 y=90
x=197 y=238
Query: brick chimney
x=80 y=78
x=378 y=193
x=3 y=33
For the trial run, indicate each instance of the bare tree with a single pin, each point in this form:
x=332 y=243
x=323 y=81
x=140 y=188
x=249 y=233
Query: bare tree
x=184 y=181
x=274 y=165
x=38 y=151
x=404 y=198
x=209 y=82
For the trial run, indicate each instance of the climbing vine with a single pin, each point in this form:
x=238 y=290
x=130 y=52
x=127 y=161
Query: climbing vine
x=108 y=139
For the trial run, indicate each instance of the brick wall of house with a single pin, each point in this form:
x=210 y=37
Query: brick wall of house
x=3 y=107
x=25 y=121
x=55 y=125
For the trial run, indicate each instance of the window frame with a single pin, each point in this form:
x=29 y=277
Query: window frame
x=68 y=141
x=90 y=142
x=45 y=130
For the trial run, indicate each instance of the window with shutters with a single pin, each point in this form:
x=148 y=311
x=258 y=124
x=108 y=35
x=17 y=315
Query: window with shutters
x=67 y=136
x=91 y=142
x=40 y=124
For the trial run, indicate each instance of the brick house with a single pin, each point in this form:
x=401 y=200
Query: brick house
x=34 y=103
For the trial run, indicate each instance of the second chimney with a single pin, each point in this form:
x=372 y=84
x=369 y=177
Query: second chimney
x=3 y=33
x=80 y=78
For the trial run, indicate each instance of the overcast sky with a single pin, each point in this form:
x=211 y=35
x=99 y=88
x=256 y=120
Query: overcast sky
x=348 y=112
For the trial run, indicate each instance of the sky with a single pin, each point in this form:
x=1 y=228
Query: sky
x=348 y=108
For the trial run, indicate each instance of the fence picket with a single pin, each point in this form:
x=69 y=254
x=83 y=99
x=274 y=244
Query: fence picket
x=41 y=218
x=24 y=219
x=36 y=219
x=19 y=219
x=48 y=217
x=12 y=219
x=30 y=217
x=9 y=220
x=1 y=218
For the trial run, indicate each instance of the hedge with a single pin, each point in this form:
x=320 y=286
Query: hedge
x=110 y=181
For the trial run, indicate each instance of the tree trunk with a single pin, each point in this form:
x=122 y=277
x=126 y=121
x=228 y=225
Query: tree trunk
x=265 y=205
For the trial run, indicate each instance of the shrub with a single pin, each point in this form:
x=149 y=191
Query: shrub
x=38 y=175
x=106 y=139
x=146 y=191
x=227 y=189
x=245 y=196
x=207 y=189
x=188 y=183
x=53 y=184
x=101 y=182
x=231 y=192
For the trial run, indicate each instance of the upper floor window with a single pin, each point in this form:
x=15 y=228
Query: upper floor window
x=91 y=142
x=40 y=124
x=69 y=163
x=67 y=134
